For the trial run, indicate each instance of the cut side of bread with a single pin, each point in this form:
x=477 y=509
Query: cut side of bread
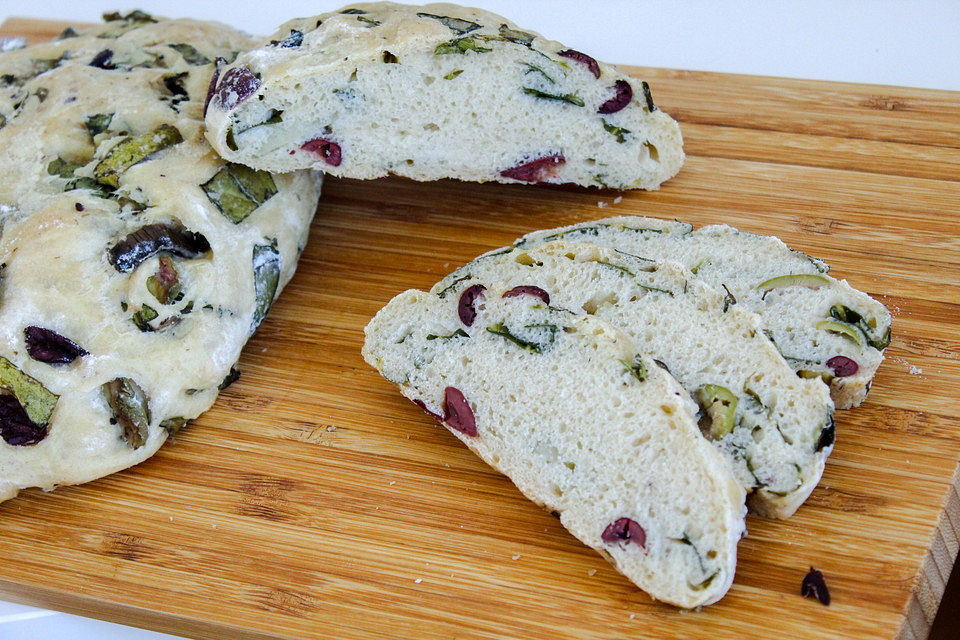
x=822 y=326
x=774 y=428
x=565 y=406
x=438 y=91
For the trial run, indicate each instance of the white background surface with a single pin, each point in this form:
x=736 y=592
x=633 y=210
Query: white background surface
x=908 y=43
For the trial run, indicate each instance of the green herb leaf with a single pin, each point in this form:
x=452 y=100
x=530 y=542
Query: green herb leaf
x=132 y=150
x=131 y=410
x=453 y=284
x=453 y=74
x=132 y=20
x=98 y=123
x=532 y=68
x=266 y=280
x=648 y=97
x=535 y=347
x=370 y=22
x=571 y=98
x=143 y=317
x=729 y=299
x=518 y=37
x=635 y=368
x=237 y=190
x=619 y=132
x=461 y=46
x=458 y=25
x=190 y=54
x=36 y=400
x=274 y=116
x=622 y=270
x=173 y=425
x=62 y=168
x=459 y=333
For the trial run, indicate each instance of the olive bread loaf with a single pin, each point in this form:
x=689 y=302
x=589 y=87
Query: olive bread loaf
x=135 y=262
x=438 y=91
x=774 y=428
x=822 y=326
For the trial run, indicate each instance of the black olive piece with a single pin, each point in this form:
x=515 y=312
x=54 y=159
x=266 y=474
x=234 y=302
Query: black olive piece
x=151 y=239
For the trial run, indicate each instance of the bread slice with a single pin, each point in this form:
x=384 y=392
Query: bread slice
x=822 y=326
x=438 y=91
x=775 y=429
x=583 y=425
x=136 y=262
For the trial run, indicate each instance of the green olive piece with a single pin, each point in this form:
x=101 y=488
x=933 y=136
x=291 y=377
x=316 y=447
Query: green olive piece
x=37 y=401
x=846 y=330
x=131 y=409
x=237 y=191
x=808 y=280
x=266 y=280
x=134 y=149
x=720 y=405
x=808 y=374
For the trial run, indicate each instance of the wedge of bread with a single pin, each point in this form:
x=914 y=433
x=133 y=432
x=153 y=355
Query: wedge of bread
x=438 y=91
x=775 y=429
x=565 y=406
x=822 y=326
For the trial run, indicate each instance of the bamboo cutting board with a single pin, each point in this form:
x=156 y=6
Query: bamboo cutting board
x=313 y=501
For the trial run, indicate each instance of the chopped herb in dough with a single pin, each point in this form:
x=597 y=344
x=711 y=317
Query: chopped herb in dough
x=458 y=25
x=571 y=98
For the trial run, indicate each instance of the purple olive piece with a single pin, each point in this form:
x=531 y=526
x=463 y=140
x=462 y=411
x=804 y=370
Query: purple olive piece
x=583 y=59
x=465 y=308
x=530 y=290
x=422 y=405
x=326 y=149
x=102 y=60
x=619 y=101
x=843 y=366
x=237 y=85
x=50 y=347
x=16 y=427
x=625 y=530
x=814 y=586
x=212 y=87
x=538 y=170
x=457 y=412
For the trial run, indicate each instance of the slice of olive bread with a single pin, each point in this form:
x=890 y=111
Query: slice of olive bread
x=565 y=406
x=822 y=326
x=775 y=429
x=136 y=262
x=438 y=91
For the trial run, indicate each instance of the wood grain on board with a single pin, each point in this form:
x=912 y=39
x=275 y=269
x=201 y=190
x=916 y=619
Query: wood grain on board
x=313 y=501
